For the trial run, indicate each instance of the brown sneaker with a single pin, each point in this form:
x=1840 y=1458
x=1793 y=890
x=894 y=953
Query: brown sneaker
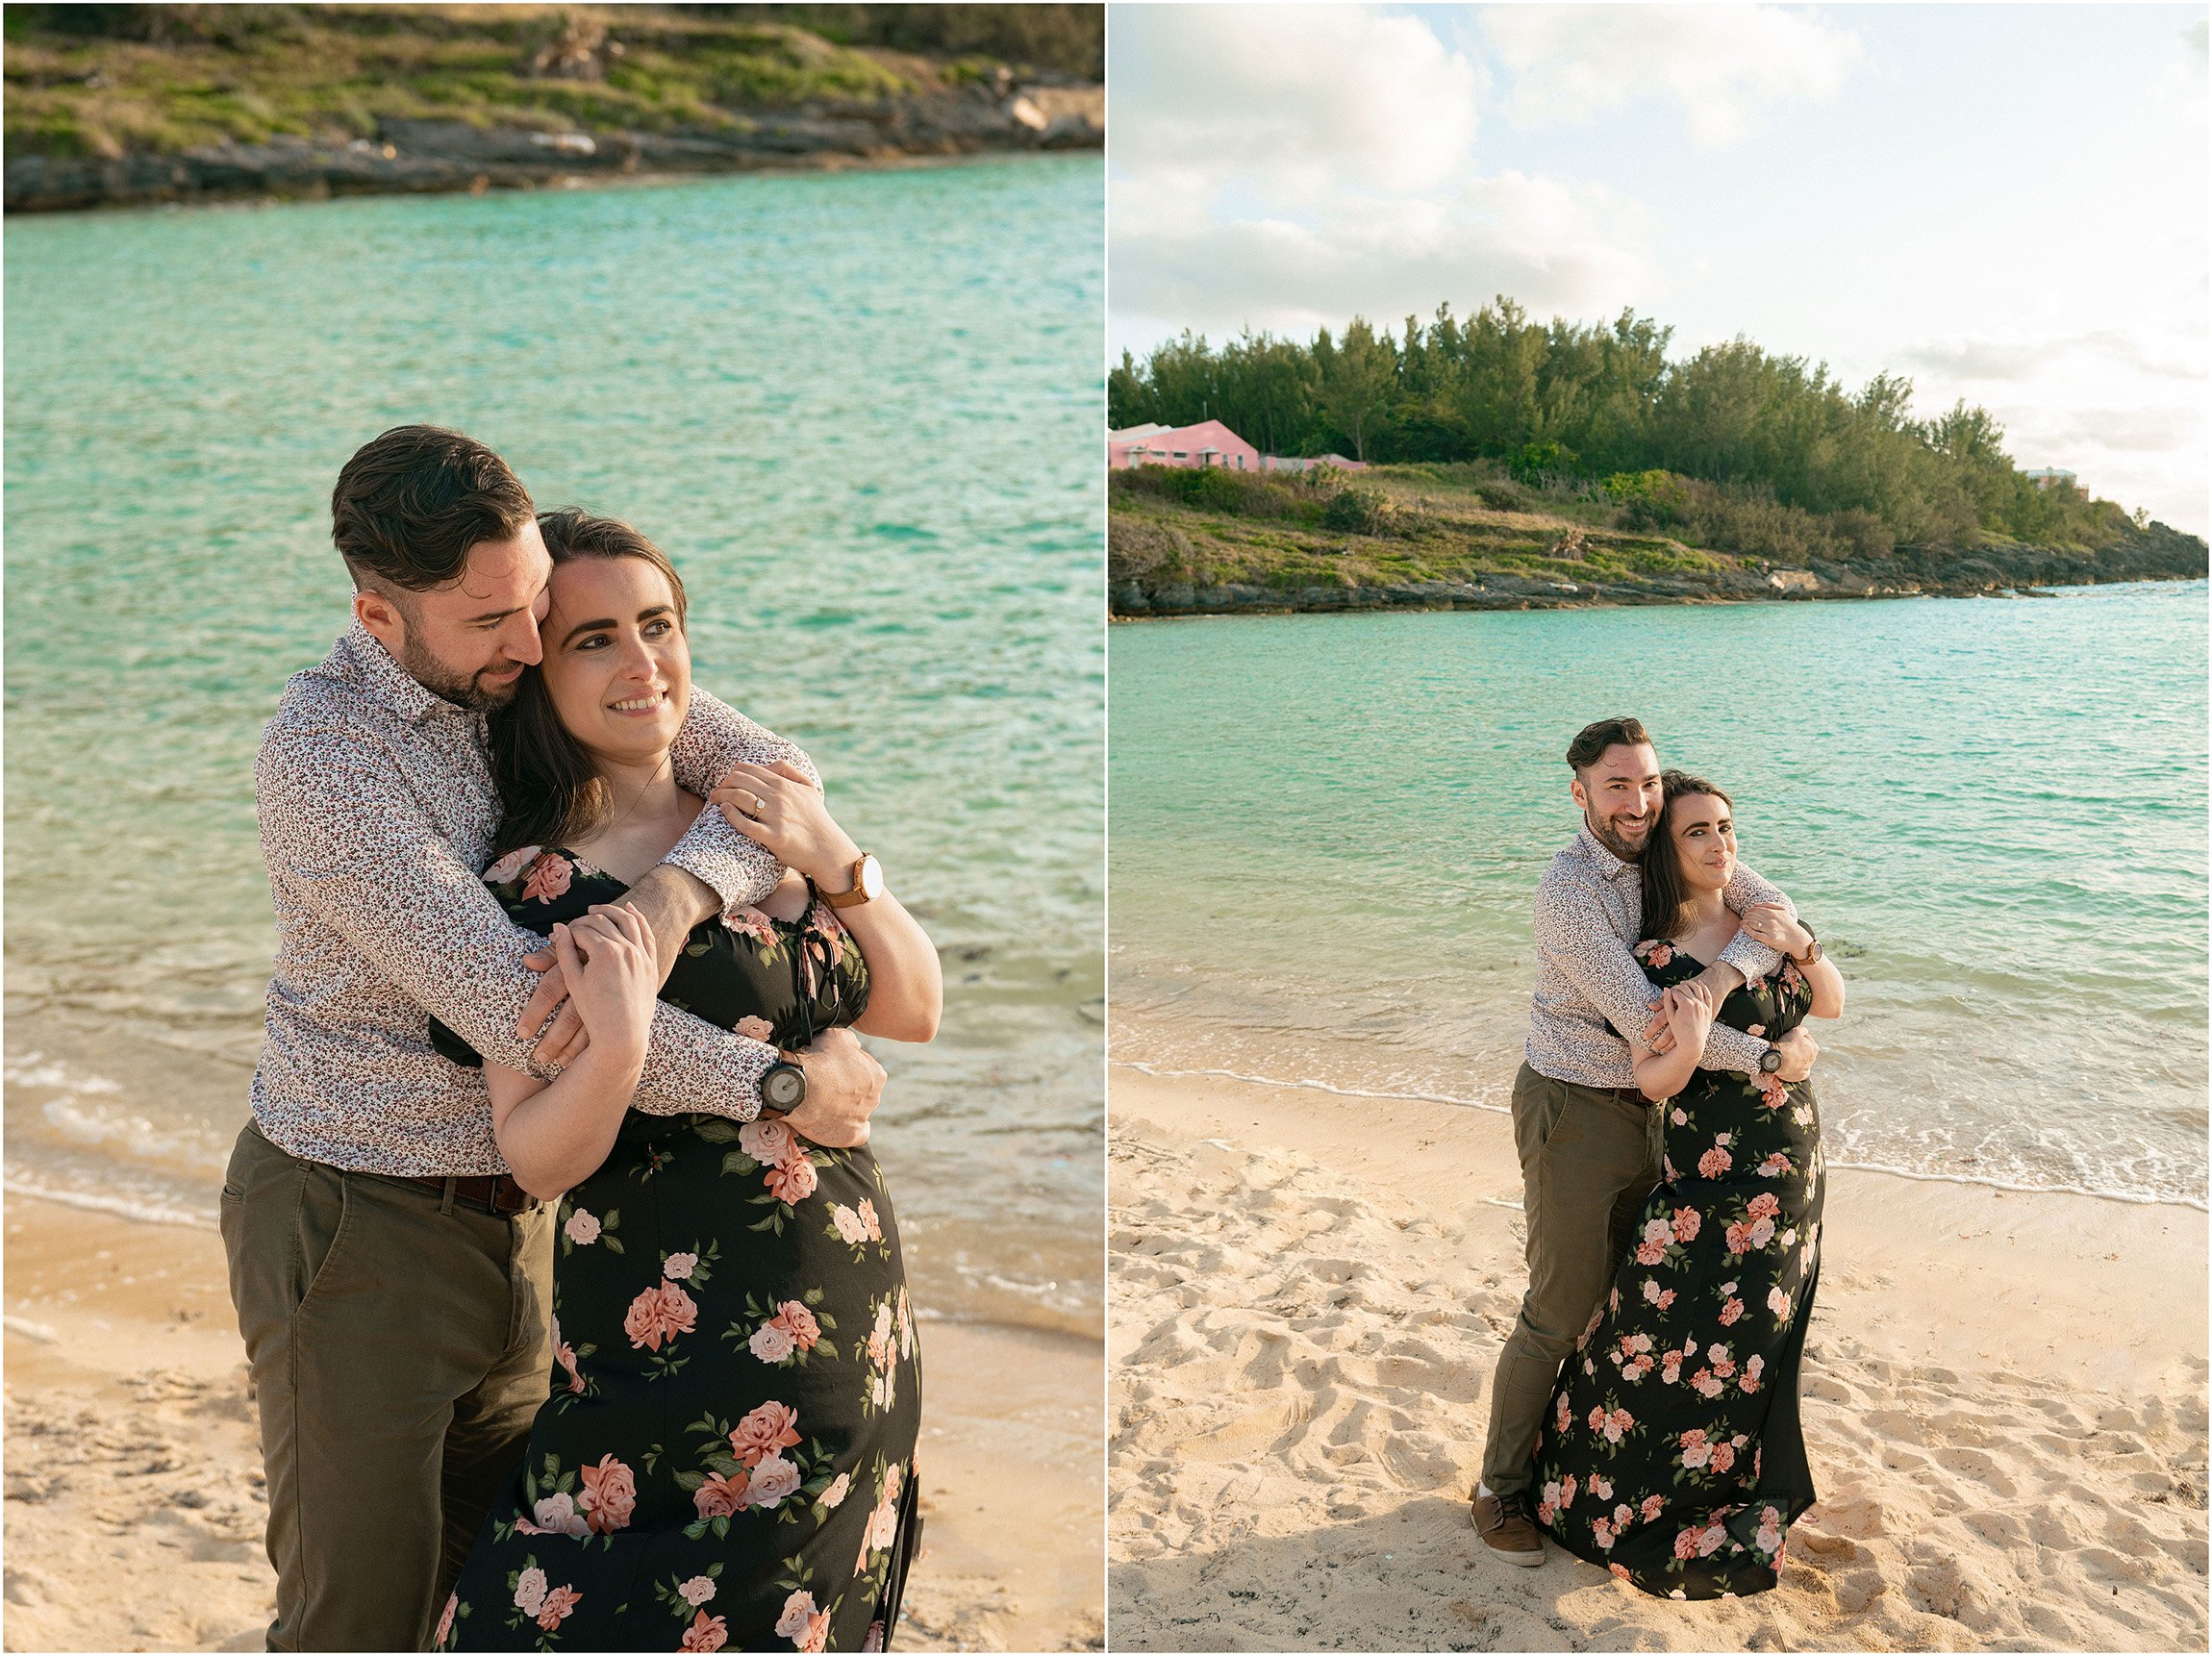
x=1507 y=1529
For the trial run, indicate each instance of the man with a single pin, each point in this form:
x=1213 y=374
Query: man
x=1588 y=1141
x=391 y=1282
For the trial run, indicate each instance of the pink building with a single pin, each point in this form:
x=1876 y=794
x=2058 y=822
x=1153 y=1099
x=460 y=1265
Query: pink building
x=1209 y=444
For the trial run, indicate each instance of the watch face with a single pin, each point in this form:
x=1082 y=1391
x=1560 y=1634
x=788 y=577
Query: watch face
x=785 y=1087
x=870 y=881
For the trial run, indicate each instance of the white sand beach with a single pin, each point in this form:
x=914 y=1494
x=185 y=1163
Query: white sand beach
x=134 y=1498
x=2006 y=1403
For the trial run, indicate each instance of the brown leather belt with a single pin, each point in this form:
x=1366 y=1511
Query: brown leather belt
x=493 y=1192
x=1628 y=1095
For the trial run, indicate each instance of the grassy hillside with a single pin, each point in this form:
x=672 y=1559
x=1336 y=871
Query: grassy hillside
x=1470 y=534
x=114 y=81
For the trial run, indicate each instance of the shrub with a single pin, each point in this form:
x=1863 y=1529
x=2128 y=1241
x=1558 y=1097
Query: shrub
x=1538 y=463
x=1355 y=511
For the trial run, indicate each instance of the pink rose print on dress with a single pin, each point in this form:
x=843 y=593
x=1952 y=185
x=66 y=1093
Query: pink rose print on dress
x=697 y=1591
x=754 y=1028
x=798 y=1610
x=1723 y=1456
x=749 y=921
x=1652 y=1508
x=768 y=1142
x=773 y=1479
x=875 y=1639
x=771 y=1342
x=771 y=1427
x=833 y=1496
x=719 y=1497
x=1563 y=1416
x=1601 y=1488
x=582 y=1228
x=793 y=1183
x=557 y=1514
x=1714 y=1163
x=1753 y=1367
x=705 y=1633
x=510 y=864
x=1731 y=1311
x=530 y=1591
x=1778 y=1302
x=796 y=1320
x=549 y=877
x=609 y=1495
x=452 y=1603
x=1616 y=1426
x=678 y=1266
x=1620 y=1570
x=850 y=1228
x=558 y=1605
x=1601 y=1532
x=870 y=1225
x=1695 y=1450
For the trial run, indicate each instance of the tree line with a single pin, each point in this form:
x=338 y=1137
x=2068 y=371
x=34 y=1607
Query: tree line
x=1597 y=406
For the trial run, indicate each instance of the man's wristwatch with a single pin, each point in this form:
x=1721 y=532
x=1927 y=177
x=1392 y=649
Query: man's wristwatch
x=866 y=883
x=784 y=1085
x=1770 y=1059
x=1811 y=955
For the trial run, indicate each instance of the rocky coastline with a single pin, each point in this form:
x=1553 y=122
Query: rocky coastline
x=2156 y=553
x=429 y=156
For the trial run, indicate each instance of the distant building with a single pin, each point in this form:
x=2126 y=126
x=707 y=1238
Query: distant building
x=2049 y=477
x=1209 y=442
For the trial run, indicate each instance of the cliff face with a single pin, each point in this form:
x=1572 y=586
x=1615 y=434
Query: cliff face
x=1164 y=560
x=428 y=156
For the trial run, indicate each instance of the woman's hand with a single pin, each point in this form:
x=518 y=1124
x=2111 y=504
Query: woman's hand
x=1770 y=924
x=779 y=810
x=1689 y=1009
x=608 y=961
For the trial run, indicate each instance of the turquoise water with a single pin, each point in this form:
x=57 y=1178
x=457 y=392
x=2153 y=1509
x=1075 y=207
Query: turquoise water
x=861 y=410
x=1326 y=830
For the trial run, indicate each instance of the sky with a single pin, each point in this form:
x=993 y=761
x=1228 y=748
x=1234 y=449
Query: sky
x=2006 y=203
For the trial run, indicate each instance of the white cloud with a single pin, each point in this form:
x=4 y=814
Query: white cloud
x=2011 y=358
x=1305 y=98
x=1571 y=250
x=1720 y=63
x=1287 y=167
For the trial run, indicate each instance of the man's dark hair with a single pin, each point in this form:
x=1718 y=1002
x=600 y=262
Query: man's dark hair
x=1587 y=749
x=410 y=505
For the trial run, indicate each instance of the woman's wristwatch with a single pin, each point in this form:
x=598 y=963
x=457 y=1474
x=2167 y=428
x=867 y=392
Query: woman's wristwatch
x=1811 y=955
x=866 y=883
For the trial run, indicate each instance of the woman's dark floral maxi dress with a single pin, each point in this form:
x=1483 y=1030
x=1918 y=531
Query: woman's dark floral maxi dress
x=1672 y=1452
x=726 y=1457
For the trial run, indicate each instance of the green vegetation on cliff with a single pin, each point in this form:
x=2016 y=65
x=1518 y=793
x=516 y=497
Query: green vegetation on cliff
x=1471 y=535
x=1732 y=447
x=107 y=81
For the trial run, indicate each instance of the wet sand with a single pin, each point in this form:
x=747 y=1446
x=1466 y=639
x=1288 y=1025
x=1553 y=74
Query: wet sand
x=134 y=1486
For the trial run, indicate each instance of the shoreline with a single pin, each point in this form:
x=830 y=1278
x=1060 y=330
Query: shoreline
x=1442 y=596
x=259 y=197
x=2127 y=1198
x=2004 y=1400
x=132 y=1455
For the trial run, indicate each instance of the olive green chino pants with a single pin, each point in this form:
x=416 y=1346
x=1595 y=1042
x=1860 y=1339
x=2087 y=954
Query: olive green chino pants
x=400 y=1347
x=1587 y=1161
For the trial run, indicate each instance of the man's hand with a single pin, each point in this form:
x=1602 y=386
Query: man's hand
x=1799 y=1050
x=670 y=902
x=844 y=1085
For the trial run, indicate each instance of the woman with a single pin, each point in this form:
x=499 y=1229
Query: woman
x=727 y=1455
x=1672 y=1451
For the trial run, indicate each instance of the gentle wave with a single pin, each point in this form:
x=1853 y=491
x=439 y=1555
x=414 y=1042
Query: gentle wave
x=122 y=1207
x=2137 y=1198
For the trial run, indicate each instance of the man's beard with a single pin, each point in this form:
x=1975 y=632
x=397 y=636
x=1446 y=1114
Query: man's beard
x=441 y=681
x=1605 y=836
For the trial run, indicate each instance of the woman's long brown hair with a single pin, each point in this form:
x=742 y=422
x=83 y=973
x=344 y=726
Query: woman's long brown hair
x=550 y=792
x=1665 y=895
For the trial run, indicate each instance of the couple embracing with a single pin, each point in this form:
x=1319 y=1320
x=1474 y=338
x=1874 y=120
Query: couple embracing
x=1644 y=1409
x=572 y=1292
